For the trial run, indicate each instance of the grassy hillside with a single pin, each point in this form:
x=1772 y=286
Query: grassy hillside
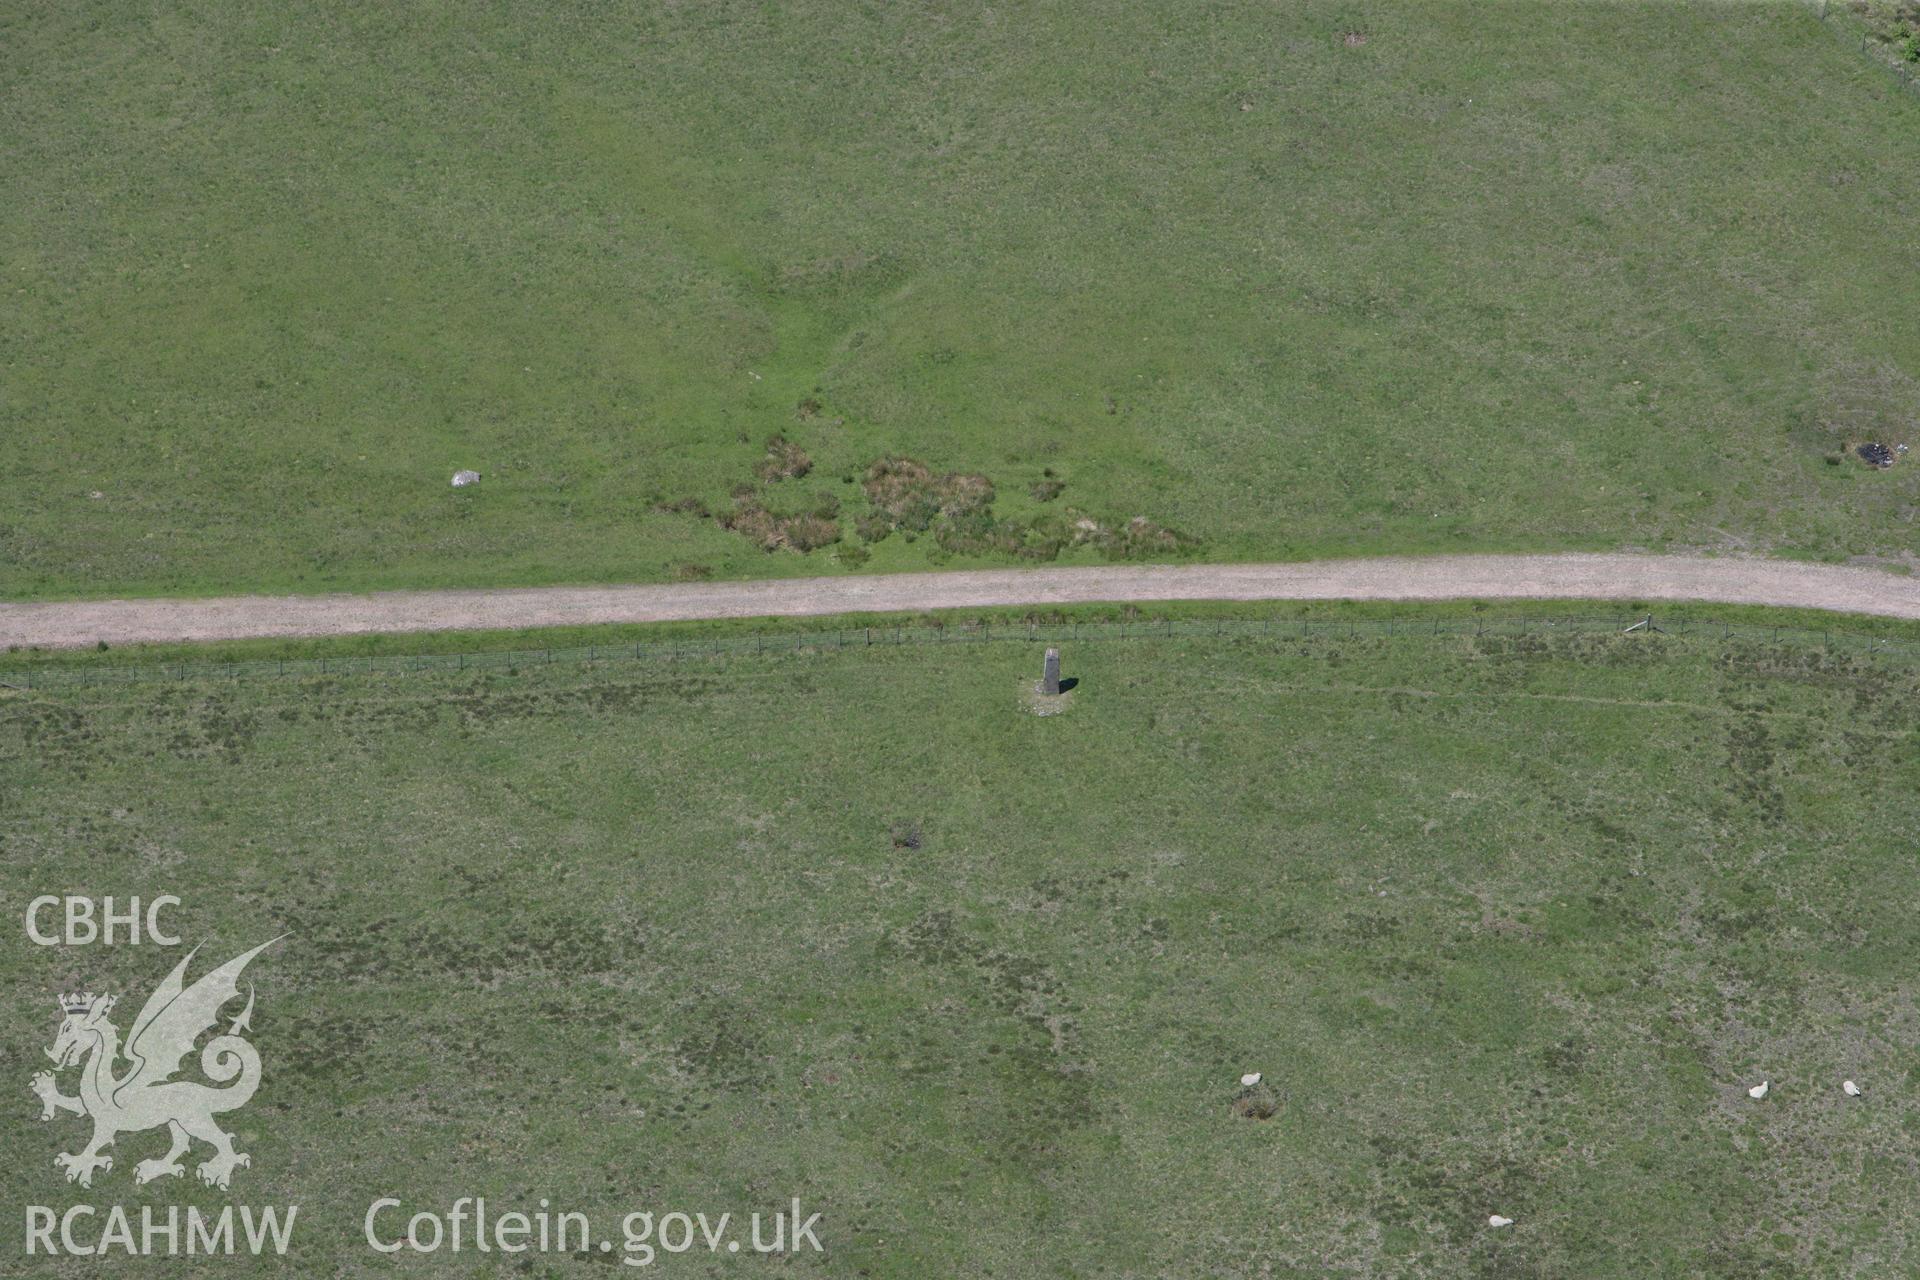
x=1284 y=278
x=1509 y=924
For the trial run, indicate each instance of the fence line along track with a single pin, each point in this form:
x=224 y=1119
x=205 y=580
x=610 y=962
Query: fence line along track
x=1850 y=27
x=1638 y=628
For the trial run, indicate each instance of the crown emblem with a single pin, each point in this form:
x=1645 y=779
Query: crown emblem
x=74 y=1002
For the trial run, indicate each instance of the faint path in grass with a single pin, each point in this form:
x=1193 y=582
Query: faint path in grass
x=1839 y=588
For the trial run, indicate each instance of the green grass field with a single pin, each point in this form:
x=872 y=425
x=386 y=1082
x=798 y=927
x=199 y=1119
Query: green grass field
x=1509 y=923
x=1503 y=275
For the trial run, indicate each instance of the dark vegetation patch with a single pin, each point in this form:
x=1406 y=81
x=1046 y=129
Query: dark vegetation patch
x=906 y=835
x=214 y=729
x=682 y=506
x=1566 y=1057
x=324 y=1047
x=331 y=704
x=1739 y=910
x=1256 y=1102
x=1041 y=1071
x=773 y=529
x=905 y=496
x=342 y=943
x=813 y=409
x=55 y=735
x=1750 y=768
x=982 y=533
x=1136 y=539
x=1877 y=690
x=784 y=460
x=722 y=1048
x=912 y=497
x=840 y=273
x=1892 y=24
x=956 y=510
x=482 y=706
x=1429 y=1191
x=192 y=725
x=793 y=523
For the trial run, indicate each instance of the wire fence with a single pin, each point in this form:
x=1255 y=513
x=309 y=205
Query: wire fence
x=1627 y=629
x=1883 y=52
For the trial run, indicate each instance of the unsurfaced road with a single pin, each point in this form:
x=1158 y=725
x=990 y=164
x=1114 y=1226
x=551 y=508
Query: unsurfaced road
x=1844 y=589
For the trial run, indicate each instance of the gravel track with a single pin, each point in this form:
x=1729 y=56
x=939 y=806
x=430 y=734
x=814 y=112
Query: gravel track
x=1840 y=588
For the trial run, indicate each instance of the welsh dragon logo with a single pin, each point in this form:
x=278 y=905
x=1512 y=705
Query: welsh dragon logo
x=146 y=1095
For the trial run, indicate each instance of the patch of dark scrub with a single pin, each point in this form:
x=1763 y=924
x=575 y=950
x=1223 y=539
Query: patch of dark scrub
x=1101 y=889
x=688 y=506
x=854 y=272
x=341 y=944
x=215 y=730
x=323 y=1048
x=773 y=529
x=1040 y=1068
x=721 y=1049
x=1615 y=897
x=1609 y=836
x=1256 y=1102
x=1423 y=1191
x=1368 y=927
x=1728 y=1259
x=191 y=726
x=59 y=737
x=955 y=509
x=1567 y=1057
x=1875 y=756
x=558 y=942
x=784 y=460
x=1596 y=820
x=1410 y=969
x=1740 y=910
x=1514 y=648
x=1750 y=769
x=912 y=497
x=484 y=705
x=1874 y=684
x=367 y=722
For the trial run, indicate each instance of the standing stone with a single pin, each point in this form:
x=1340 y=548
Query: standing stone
x=1050 y=673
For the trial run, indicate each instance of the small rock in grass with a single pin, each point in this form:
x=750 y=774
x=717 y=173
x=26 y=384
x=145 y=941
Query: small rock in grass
x=461 y=479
